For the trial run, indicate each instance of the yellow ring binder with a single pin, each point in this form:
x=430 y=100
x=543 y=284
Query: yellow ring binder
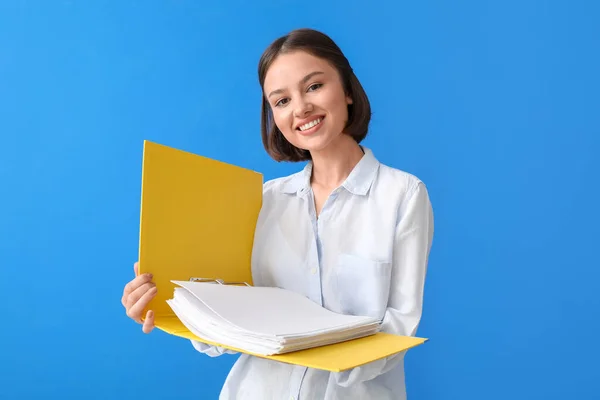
x=190 y=215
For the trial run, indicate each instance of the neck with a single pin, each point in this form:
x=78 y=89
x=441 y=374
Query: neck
x=331 y=166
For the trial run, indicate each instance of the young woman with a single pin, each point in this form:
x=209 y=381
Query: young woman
x=351 y=234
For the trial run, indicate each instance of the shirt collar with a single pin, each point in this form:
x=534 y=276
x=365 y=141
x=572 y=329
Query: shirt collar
x=358 y=182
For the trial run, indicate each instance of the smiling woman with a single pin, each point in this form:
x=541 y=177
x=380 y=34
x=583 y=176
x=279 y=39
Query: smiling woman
x=309 y=108
x=347 y=232
x=306 y=79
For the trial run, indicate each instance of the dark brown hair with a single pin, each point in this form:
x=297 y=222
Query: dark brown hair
x=319 y=45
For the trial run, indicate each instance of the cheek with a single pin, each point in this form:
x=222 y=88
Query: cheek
x=336 y=104
x=282 y=121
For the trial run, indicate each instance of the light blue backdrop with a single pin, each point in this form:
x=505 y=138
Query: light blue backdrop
x=494 y=105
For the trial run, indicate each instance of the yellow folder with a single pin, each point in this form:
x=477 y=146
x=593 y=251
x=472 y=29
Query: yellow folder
x=197 y=220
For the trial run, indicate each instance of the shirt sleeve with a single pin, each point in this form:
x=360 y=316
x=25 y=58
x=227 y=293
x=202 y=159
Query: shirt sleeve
x=210 y=350
x=412 y=243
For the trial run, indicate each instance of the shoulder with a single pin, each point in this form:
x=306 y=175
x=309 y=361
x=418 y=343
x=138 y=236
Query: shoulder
x=275 y=185
x=401 y=183
x=282 y=187
x=407 y=192
x=278 y=196
x=281 y=184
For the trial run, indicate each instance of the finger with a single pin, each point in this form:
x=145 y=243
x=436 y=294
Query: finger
x=135 y=311
x=132 y=286
x=148 y=322
x=137 y=294
x=136 y=268
x=136 y=283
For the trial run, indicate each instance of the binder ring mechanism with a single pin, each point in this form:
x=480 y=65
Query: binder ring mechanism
x=218 y=281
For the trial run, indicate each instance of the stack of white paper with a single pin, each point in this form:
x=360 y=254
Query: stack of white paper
x=262 y=320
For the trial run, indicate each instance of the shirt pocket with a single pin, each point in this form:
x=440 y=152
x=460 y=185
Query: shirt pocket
x=363 y=285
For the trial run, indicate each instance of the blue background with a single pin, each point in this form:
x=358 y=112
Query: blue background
x=495 y=105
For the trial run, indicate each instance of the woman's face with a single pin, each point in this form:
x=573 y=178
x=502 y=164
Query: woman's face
x=308 y=100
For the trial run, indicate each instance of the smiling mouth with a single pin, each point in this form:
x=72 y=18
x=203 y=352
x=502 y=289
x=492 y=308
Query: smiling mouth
x=310 y=125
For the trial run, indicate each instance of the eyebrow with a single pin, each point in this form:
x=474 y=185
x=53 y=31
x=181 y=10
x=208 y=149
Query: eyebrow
x=304 y=80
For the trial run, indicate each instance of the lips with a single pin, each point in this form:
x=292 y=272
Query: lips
x=309 y=123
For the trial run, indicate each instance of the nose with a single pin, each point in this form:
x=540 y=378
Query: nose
x=303 y=108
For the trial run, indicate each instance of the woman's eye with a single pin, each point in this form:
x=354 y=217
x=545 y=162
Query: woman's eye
x=281 y=102
x=314 y=86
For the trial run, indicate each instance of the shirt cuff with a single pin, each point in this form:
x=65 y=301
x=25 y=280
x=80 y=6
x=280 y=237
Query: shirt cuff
x=210 y=350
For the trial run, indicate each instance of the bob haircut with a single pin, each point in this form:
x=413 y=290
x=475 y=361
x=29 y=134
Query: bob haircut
x=319 y=45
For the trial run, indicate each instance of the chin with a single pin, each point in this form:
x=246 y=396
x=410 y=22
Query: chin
x=313 y=144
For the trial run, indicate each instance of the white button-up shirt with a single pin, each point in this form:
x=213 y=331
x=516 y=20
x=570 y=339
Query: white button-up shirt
x=366 y=254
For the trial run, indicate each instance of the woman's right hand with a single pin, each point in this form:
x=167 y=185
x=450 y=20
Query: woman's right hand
x=136 y=296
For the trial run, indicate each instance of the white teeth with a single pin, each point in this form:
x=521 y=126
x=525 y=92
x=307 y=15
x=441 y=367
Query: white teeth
x=311 y=124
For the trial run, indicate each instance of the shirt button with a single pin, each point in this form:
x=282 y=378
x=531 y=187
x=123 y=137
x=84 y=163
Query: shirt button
x=313 y=271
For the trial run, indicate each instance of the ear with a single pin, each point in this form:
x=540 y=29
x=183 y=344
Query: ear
x=349 y=100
